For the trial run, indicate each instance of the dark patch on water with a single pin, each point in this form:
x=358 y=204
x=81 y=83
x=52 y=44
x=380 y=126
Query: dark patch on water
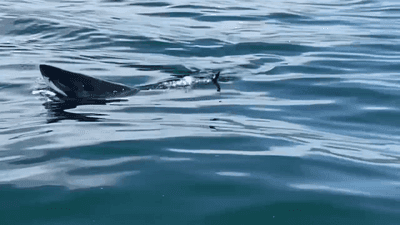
x=151 y=4
x=173 y=14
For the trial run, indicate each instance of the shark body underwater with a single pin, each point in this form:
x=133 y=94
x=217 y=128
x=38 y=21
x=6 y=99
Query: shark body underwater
x=70 y=86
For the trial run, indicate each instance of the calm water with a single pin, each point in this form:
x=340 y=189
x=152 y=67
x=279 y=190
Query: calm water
x=306 y=129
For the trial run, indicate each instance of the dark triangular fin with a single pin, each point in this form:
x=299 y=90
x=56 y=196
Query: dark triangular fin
x=215 y=81
x=70 y=85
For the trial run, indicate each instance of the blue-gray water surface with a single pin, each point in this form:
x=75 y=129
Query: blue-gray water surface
x=306 y=128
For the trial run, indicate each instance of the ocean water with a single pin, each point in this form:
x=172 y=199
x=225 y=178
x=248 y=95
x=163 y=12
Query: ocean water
x=306 y=128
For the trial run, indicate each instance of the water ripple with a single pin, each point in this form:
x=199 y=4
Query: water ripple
x=307 y=116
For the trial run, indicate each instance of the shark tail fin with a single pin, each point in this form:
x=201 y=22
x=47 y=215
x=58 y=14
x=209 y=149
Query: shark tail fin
x=215 y=81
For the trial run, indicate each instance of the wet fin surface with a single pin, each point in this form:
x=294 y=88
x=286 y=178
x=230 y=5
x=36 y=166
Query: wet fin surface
x=79 y=86
x=215 y=81
x=69 y=85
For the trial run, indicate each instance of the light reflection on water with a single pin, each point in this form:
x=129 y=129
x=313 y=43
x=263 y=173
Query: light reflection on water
x=307 y=116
